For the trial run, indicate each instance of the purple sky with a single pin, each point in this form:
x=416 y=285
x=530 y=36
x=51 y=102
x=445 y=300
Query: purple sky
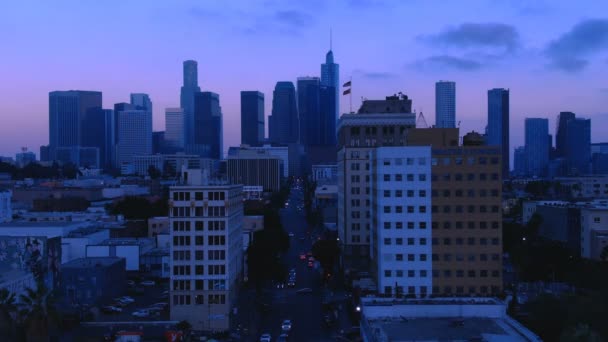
x=552 y=54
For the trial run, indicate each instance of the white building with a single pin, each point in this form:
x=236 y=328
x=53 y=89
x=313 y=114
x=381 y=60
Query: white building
x=206 y=252
x=74 y=244
x=176 y=162
x=277 y=151
x=401 y=219
x=323 y=174
x=134 y=135
x=586 y=186
x=174 y=127
x=6 y=211
x=594 y=230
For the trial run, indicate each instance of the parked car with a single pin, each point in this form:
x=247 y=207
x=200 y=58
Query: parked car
x=286 y=326
x=265 y=338
x=283 y=338
x=126 y=299
x=291 y=283
x=162 y=305
x=148 y=283
x=130 y=283
x=302 y=256
x=304 y=290
x=111 y=309
x=310 y=264
x=141 y=313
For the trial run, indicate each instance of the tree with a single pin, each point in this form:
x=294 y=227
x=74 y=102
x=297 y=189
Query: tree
x=580 y=333
x=38 y=312
x=8 y=309
x=604 y=254
x=327 y=252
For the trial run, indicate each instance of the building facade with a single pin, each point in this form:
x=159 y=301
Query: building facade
x=208 y=125
x=445 y=104
x=309 y=110
x=537 y=146
x=255 y=167
x=578 y=146
x=174 y=128
x=330 y=77
x=92 y=281
x=206 y=253
x=252 y=117
x=186 y=99
x=498 y=125
x=134 y=135
x=283 y=123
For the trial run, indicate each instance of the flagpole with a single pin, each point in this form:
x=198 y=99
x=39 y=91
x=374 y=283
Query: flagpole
x=351 y=95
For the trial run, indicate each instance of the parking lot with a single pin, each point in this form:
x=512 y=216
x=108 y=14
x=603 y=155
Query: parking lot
x=145 y=297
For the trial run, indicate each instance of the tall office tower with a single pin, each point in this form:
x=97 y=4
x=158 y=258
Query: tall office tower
x=378 y=123
x=208 y=130
x=520 y=167
x=445 y=104
x=141 y=101
x=561 y=133
x=467 y=220
x=401 y=224
x=252 y=118
x=174 y=128
x=330 y=77
x=309 y=110
x=99 y=128
x=498 y=124
x=206 y=253
x=578 y=146
x=67 y=113
x=189 y=88
x=537 y=146
x=327 y=127
x=158 y=143
x=283 y=125
x=134 y=135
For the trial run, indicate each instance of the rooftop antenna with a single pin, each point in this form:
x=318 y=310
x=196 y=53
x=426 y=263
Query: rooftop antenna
x=421 y=122
x=330 y=39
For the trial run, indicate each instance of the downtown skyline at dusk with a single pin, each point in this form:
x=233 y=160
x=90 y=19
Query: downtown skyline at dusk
x=553 y=56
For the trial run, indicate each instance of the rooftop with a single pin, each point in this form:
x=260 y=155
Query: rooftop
x=46 y=224
x=92 y=261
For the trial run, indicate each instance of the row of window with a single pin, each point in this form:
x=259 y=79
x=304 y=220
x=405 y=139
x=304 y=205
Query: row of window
x=410 y=273
x=469 y=193
x=399 y=177
x=470 y=225
x=199 y=196
x=469 y=209
x=199 y=255
x=469 y=257
x=469 y=241
x=408 y=161
x=399 y=193
x=212 y=240
x=198 y=299
x=399 y=209
x=459 y=177
x=211 y=211
x=472 y=290
x=469 y=273
x=460 y=161
x=184 y=226
x=410 y=241
x=199 y=270
x=199 y=285
x=409 y=225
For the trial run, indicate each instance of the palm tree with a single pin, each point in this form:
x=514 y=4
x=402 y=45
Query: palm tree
x=8 y=309
x=38 y=312
x=604 y=254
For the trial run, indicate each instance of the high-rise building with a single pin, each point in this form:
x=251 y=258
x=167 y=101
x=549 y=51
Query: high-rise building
x=174 y=127
x=67 y=113
x=401 y=220
x=206 y=253
x=445 y=104
x=327 y=127
x=283 y=124
x=141 y=101
x=99 y=126
x=537 y=146
x=578 y=146
x=252 y=117
x=520 y=167
x=309 y=110
x=189 y=88
x=208 y=129
x=330 y=77
x=158 y=142
x=498 y=124
x=134 y=135
x=561 y=133
x=24 y=158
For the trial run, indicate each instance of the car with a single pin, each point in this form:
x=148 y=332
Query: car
x=265 y=338
x=111 y=309
x=286 y=325
x=304 y=290
x=291 y=234
x=283 y=338
x=127 y=299
x=148 y=283
x=310 y=264
x=311 y=259
x=280 y=285
x=140 y=313
x=302 y=256
x=130 y=283
x=291 y=283
x=162 y=305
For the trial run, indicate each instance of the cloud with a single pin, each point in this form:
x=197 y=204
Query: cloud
x=477 y=35
x=449 y=62
x=294 y=19
x=569 y=51
x=367 y=4
x=375 y=75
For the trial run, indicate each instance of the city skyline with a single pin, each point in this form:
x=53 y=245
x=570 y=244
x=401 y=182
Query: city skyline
x=521 y=53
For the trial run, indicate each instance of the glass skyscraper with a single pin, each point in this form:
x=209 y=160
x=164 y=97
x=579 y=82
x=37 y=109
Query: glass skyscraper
x=560 y=133
x=208 y=130
x=174 y=128
x=309 y=110
x=330 y=77
x=252 y=117
x=578 y=146
x=537 y=146
x=445 y=104
x=283 y=125
x=498 y=124
x=189 y=88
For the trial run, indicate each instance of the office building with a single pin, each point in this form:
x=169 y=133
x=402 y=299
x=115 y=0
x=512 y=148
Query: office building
x=309 y=110
x=92 y=281
x=189 y=88
x=255 y=168
x=278 y=151
x=537 y=146
x=594 y=231
x=6 y=211
x=141 y=101
x=134 y=135
x=24 y=157
x=252 y=117
x=327 y=124
x=99 y=128
x=68 y=111
x=174 y=128
x=578 y=146
x=561 y=133
x=445 y=104
x=283 y=123
x=498 y=125
x=87 y=157
x=206 y=253
x=330 y=78
x=208 y=129
x=520 y=168
x=158 y=142
x=170 y=164
x=401 y=220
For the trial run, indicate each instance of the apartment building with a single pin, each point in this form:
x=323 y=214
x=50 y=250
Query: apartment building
x=206 y=221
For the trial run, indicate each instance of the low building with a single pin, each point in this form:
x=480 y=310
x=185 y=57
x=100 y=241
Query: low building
x=92 y=281
x=440 y=319
x=6 y=211
x=325 y=174
x=158 y=225
x=278 y=151
x=131 y=249
x=155 y=263
x=74 y=244
x=255 y=167
x=326 y=200
x=26 y=195
x=170 y=163
x=585 y=187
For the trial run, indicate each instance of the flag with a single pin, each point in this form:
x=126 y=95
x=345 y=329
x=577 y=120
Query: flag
x=347 y=84
x=346 y=92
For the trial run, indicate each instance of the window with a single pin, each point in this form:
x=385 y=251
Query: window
x=387 y=241
x=387 y=209
x=399 y=225
x=435 y=257
x=483 y=160
x=398 y=193
x=198 y=240
x=387 y=225
x=434 y=161
x=446 y=161
x=447 y=241
x=422 y=225
x=423 y=273
x=410 y=241
x=422 y=209
x=458 y=225
x=410 y=225
x=399 y=241
x=409 y=161
x=471 y=208
x=422 y=177
x=447 y=225
x=423 y=241
x=470 y=241
x=458 y=177
x=387 y=178
x=447 y=273
x=459 y=273
x=471 y=274
x=399 y=177
x=410 y=193
x=411 y=274
x=410 y=209
x=399 y=257
x=387 y=273
x=447 y=177
x=398 y=161
x=421 y=193
x=495 y=241
x=483 y=241
x=399 y=209
x=411 y=257
x=410 y=177
x=199 y=255
x=482 y=177
x=458 y=209
x=446 y=208
x=387 y=193
x=399 y=273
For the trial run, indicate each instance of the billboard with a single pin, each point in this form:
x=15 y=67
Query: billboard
x=38 y=256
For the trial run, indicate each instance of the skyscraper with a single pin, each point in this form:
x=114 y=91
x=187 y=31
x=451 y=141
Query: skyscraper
x=309 y=110
x=520 y=167
x=327 y=127
x=134 y=135
x=537 y=146
x=67 y=113
x=330 y=77
x=561 y=133
x=578 y=146
x=208 y=129
x=445 y=104
x=283 y=126
x=99 y=128
x=252 y=117
x=141 y=101
x=189 y=88
x=498 y=124
x=174 y=128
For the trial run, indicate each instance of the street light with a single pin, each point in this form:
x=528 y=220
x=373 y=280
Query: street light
x=358 y=308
